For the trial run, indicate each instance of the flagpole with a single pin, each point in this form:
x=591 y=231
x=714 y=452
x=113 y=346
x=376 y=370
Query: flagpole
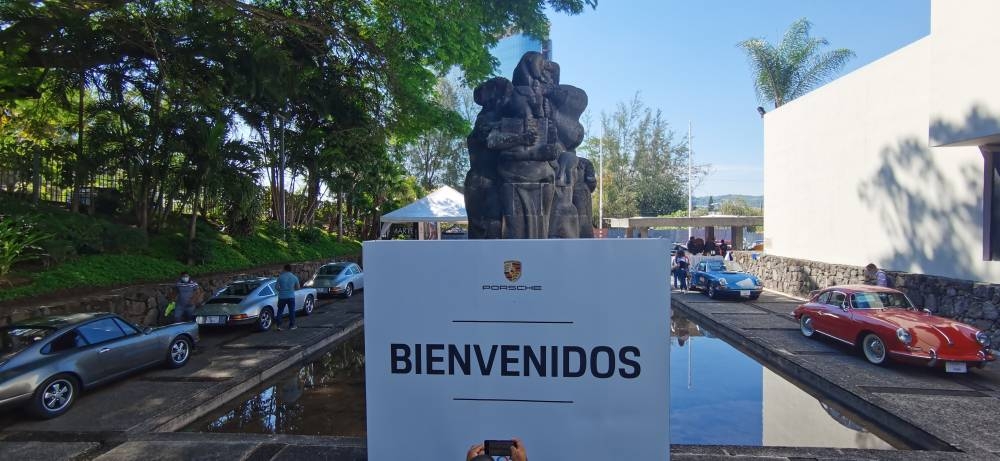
x=690 y=155
x=600 y=180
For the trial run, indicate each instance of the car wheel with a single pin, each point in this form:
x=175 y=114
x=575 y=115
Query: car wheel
x=806 y=326
x=179 y=352
x=54 y=396
x=874 y=349
x=349 y=290
x=265 y=319
x=712 y=293
x=308 y=305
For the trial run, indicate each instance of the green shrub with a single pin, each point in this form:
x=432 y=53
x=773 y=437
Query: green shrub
x=120 y=239
x=19 y=239
x=58 y=250
x=310 y=234
x=201 y=250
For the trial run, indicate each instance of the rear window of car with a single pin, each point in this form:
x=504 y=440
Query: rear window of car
x=332 y=269
x=879 y=300
x=239 y=289
x=14 y=339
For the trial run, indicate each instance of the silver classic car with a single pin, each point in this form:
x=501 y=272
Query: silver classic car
x=250 y=302
x=45 y=362
x=339 y=278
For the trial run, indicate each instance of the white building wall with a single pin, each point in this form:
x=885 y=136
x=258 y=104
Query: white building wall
x=850 y=177
x=965 y=93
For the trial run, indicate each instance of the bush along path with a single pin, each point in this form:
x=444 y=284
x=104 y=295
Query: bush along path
x=83 y=253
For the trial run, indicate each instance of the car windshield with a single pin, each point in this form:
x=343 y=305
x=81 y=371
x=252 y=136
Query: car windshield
x=725 y=266
x=239 y=289
x=333 y=269
x=879 y=300
x=14 y=339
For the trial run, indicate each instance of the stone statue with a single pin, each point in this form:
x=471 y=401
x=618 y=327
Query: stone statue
x=525 y=179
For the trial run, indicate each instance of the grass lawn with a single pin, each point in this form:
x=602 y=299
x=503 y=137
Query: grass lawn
x=90 y=252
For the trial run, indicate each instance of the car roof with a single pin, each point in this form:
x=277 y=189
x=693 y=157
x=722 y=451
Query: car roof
x=252 y=280
x=61 y=321
x=854 y=288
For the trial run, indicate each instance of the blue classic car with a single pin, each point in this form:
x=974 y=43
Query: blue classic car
x=718 y=278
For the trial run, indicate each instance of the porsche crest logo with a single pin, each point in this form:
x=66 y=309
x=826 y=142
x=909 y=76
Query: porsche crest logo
x=512 y=270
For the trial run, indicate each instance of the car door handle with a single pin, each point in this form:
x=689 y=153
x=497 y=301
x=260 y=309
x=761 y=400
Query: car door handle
x=104 y=349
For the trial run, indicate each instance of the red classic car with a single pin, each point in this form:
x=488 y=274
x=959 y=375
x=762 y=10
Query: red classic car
x=886 y=325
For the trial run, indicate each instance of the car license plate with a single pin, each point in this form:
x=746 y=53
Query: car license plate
x=955 y=367
x=745 y=293
x=211 y=320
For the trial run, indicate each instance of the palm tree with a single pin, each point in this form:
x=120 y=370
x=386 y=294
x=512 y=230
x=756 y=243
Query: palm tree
x=795 y=66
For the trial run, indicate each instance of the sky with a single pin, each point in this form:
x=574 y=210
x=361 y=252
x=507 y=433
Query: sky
x=681 y=57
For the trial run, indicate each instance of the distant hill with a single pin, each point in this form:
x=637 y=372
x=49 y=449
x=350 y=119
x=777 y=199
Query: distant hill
x=756 y=201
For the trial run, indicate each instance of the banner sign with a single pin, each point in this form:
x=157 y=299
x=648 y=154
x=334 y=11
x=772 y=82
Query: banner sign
x=563 y=344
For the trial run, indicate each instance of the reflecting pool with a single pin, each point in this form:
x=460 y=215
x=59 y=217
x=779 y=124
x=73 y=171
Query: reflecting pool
x=718 y=396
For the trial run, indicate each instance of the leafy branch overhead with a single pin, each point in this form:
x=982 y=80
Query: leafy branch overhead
x=793 y=67
x=192 y=103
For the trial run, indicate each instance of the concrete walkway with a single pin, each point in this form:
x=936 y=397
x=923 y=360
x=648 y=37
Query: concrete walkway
x=950 y=415
x=227 y=363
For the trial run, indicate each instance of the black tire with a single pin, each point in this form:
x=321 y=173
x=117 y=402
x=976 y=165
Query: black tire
x=874 y=350
x=712 y=293
x=179 y=352
x=265 y=319
x=349 y=291
x=308 y=305
x=54 y=396
x=806 y=326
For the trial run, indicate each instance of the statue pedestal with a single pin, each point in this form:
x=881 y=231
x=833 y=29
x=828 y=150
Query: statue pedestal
x=526 y=209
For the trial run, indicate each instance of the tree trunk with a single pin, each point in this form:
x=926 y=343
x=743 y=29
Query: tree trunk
x=193 y=227
x=77 y=173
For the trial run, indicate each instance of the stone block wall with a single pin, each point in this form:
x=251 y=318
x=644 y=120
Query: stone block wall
x=144 y=304
x=967 y=301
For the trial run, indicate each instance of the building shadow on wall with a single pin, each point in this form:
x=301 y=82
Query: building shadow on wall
x=978 y=122
x=920 y=210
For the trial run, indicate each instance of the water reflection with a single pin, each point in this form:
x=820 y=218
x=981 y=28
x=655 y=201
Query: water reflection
x=324 y=397
x=718 y=396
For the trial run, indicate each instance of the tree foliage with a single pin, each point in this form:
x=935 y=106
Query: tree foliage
x=645 y=167
x=793 y=67
x=194 y=102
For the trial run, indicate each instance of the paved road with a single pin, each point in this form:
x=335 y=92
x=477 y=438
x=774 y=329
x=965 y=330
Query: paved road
x=924 y=406
x=225 y=364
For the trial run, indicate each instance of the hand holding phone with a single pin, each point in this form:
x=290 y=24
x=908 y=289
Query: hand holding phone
x=498 y=447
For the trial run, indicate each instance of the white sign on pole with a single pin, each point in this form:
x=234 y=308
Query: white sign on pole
x=561 y=343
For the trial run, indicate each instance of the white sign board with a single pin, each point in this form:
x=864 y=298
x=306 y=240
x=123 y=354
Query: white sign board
x=561 y=343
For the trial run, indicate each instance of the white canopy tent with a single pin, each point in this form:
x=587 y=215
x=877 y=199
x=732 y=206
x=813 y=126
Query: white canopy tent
x=444 y=205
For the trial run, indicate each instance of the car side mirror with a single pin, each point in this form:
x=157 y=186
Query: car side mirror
x=843 y=307
x=926 y=311
x=147 y=330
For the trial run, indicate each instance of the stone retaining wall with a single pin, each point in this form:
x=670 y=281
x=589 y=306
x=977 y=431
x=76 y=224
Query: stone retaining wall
x=144 y=304
x=970 y=302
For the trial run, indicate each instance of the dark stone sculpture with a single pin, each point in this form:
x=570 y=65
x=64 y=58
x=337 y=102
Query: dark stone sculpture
x=525 y=179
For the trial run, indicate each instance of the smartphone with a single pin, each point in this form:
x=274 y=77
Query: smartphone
x=498 y=447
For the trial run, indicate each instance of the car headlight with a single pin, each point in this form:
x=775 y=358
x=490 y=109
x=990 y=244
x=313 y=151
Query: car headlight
x=983 y=338
x=722 y=282
x=904 y=336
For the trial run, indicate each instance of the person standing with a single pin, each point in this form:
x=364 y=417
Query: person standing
x=187 y=293
x=876 y=276
x=682 y=268
x=723 y=248
x=287 y=284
